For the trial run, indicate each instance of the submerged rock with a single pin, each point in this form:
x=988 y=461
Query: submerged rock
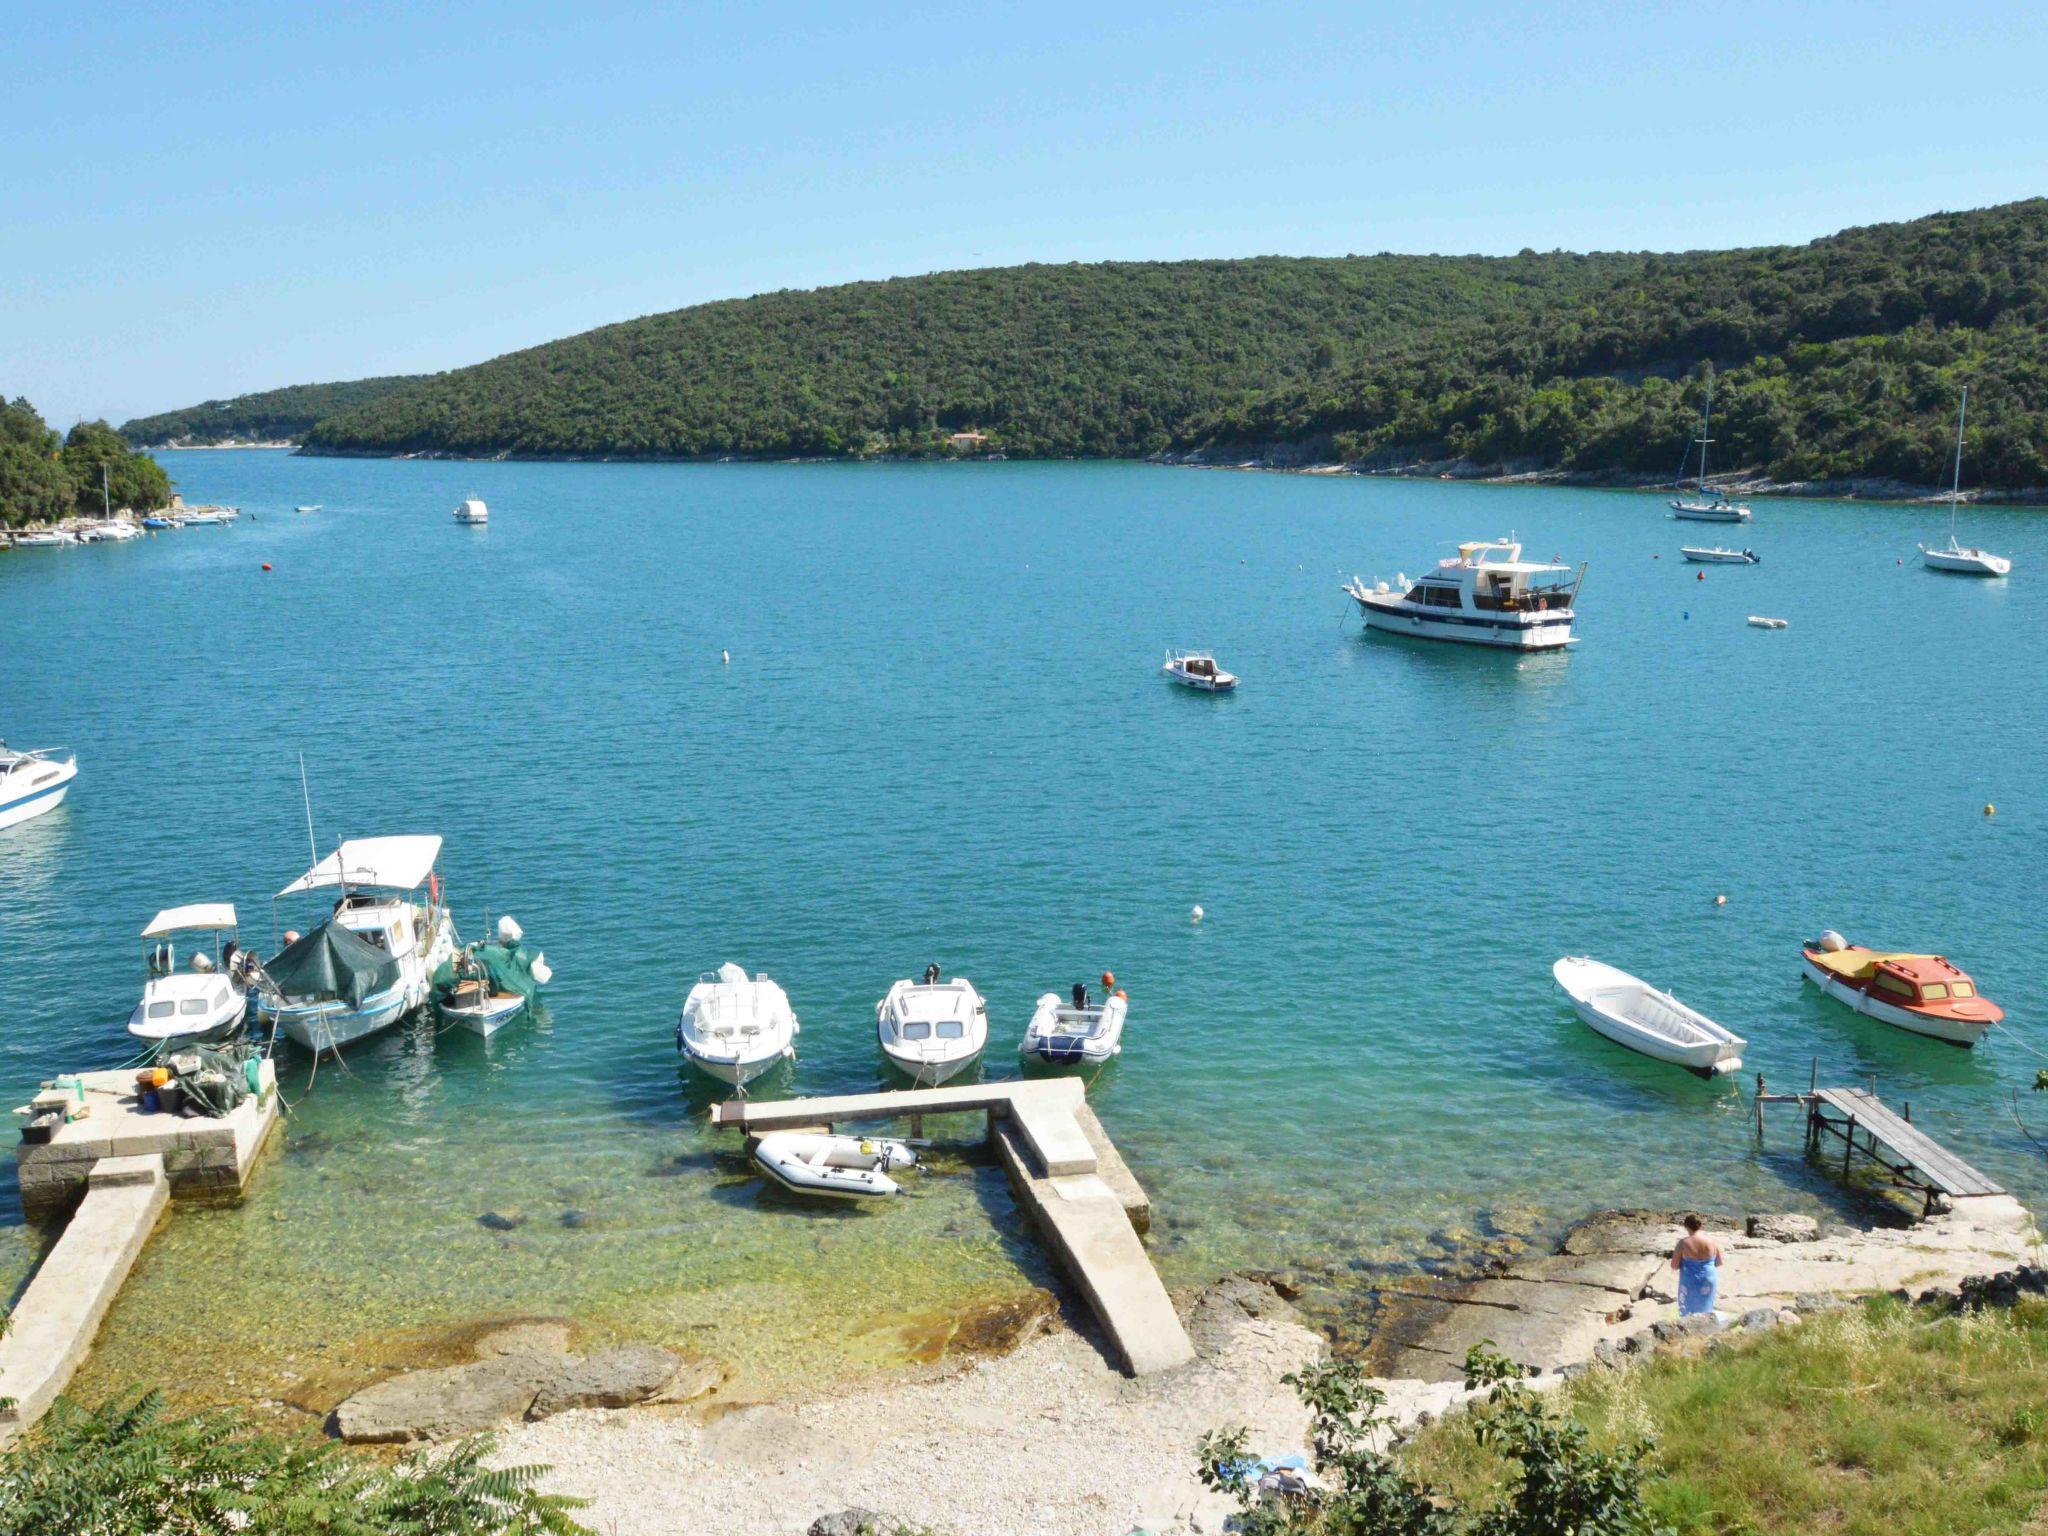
x=503 y=1221
x=528 y=1336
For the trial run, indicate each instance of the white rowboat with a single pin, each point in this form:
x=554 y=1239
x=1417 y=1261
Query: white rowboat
x=1635 y=1014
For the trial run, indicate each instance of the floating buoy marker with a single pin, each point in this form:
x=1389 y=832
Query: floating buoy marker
x=1720 y=901
x=1196 y=915
x=1990 y=809
x=726 y=657
x=266 y=565
x=1700 y=576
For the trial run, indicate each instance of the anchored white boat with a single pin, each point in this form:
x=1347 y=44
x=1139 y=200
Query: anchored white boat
x=488 y=985
x=1198 y=669
x=314 y=507
x=931 y=1030
x=1710 y=505
x=1719 y=556
x=1764 y=621
x=32 y=783
x=44 y=538
x=372 y=961
x=1635 y=1014
x=473 y=511
x=733 y=1028
x=206 y=1001
x=1066 y=1031
x=1928 y=994
x=1487 y=595
x=837 y=1167
x=1954 y=556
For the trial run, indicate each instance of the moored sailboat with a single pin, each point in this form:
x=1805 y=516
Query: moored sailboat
x=1955 y=556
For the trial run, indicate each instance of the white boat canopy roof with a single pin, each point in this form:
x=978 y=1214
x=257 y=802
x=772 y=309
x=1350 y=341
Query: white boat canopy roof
x=203 y=914
x=396 y=863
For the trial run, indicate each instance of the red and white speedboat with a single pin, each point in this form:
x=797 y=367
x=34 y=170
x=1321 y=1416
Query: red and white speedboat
x=1927 y=994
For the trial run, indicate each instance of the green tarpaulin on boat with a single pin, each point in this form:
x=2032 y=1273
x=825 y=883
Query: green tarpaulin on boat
x=507 y=967
x=332 y=962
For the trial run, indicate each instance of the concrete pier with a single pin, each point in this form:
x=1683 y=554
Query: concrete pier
x=54 y=1323
x=203 y=1157
x=1082 y=1198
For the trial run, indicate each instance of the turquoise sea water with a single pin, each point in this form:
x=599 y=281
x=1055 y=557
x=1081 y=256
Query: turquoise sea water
x=942 y=735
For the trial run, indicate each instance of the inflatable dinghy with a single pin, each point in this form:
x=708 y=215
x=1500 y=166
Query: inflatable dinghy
x=837 y=1167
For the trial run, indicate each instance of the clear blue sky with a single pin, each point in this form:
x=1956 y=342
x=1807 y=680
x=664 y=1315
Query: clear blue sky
x=202 y=199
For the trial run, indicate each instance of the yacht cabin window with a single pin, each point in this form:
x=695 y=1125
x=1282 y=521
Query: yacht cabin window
x=1886 y=982
x=952 y=1029
x=192 y=1005
x=1934 y=992
x=917 y=1031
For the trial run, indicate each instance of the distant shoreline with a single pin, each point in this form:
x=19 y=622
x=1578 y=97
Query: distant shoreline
x=1740 y=483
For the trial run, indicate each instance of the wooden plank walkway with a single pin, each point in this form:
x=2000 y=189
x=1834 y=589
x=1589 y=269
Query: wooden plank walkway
x=1898 y=1146
x=1068 y=1176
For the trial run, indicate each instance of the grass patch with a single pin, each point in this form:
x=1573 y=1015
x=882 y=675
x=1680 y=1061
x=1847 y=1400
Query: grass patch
x=1881 y=1420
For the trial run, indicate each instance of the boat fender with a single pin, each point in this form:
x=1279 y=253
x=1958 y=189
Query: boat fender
x=509 y=931
x=542 y=971
x=1832 y=942
x=1120 y=992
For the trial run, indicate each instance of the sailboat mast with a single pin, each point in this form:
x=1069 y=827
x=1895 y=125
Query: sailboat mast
x=1956 y=485
x=1706 y=417
x=106 y=503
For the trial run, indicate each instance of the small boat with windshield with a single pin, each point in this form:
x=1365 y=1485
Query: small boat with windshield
x=734 y=1027
x=1718 y=556
x=205 y=1002
x=371 y=961
x=473 y=512
x=1486 y=595
x=1927 y=994
x=1198 y=670
x=932 y=1030
x=1635 y=1014
x=32 y=782
x=1076 y=1030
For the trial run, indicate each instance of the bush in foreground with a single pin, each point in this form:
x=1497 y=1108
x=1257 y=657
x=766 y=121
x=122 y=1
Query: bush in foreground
x=129 y=1468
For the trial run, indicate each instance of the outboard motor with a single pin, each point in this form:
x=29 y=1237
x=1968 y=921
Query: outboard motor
x=931 y=974
x=1080 y=994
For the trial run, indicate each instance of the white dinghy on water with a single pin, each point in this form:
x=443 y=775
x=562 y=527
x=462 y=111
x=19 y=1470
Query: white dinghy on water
x=733 y=1028
x=835 y=1167
x=1633 y=1013
x=1068 y=1032
x=932 y=1030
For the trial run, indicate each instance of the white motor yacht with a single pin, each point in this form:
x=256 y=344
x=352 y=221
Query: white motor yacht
x=473 y=511
x=734 y=1028
x=1487 y=595
x=1955 y=556
x=204 y=1002
x=32 y=783
x=1716 y=555
x=931 y=1030
x=371 y=961
x=1066 y=1031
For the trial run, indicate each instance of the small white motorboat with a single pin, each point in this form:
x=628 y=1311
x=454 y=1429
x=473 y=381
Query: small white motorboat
x=487 y=986
x=473 y=511
x=733 y=1028
x=32 y=783
x=315 y=507
x=1635 y=1014
x=932 y=1029
x=1198 y=669
x=1076 y=1030
x=836 y=1167
x=44 y=538
x=207 y=1001
x=1759 y=621
x=1719 y=556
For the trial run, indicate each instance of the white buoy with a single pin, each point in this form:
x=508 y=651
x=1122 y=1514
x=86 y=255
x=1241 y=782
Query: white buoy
x=1196 y=915
x=1720 y=901
x=726 y=657
x=542 y=973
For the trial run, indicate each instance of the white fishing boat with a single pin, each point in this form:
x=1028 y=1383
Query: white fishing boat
x=32 y=783
x=1075 y=1029
x=1764 y=621
x=1635 y=1014
x=1710 y=505
x=44 y=538
x=207 y=1000
x=734 y=1028
x=1719 y=556
x=371 y=962
x=206 y=517
x=1486 y=595
x=1198 y=670
x=836 y=1167
x=1955 y=556
x=931 y=1030
x=489 y=984
x=473 y=511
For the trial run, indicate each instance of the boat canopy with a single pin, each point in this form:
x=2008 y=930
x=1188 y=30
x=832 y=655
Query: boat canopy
x=396 y=863
x=218 y=915
x=332 y=962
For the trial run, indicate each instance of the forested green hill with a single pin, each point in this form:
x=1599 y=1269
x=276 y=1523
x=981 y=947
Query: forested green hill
x=44 y=477
x=1842 y=358
x=1106 y=359
x=274 y=416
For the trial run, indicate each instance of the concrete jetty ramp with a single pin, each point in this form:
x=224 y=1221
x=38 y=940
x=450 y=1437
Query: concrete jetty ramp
x=1079 y=1193
x=53 y=1326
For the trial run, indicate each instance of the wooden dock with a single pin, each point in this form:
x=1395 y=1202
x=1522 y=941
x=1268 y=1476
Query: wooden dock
x=1082 y=1198
x=1868 y=1127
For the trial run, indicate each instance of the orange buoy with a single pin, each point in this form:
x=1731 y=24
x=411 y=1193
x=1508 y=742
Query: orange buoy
x=1699 y=576
x=1109 y=978
x=266 y=565
x=1120 y=992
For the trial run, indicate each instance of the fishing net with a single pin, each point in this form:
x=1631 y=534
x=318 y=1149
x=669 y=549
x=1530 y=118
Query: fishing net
x=501 y=967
